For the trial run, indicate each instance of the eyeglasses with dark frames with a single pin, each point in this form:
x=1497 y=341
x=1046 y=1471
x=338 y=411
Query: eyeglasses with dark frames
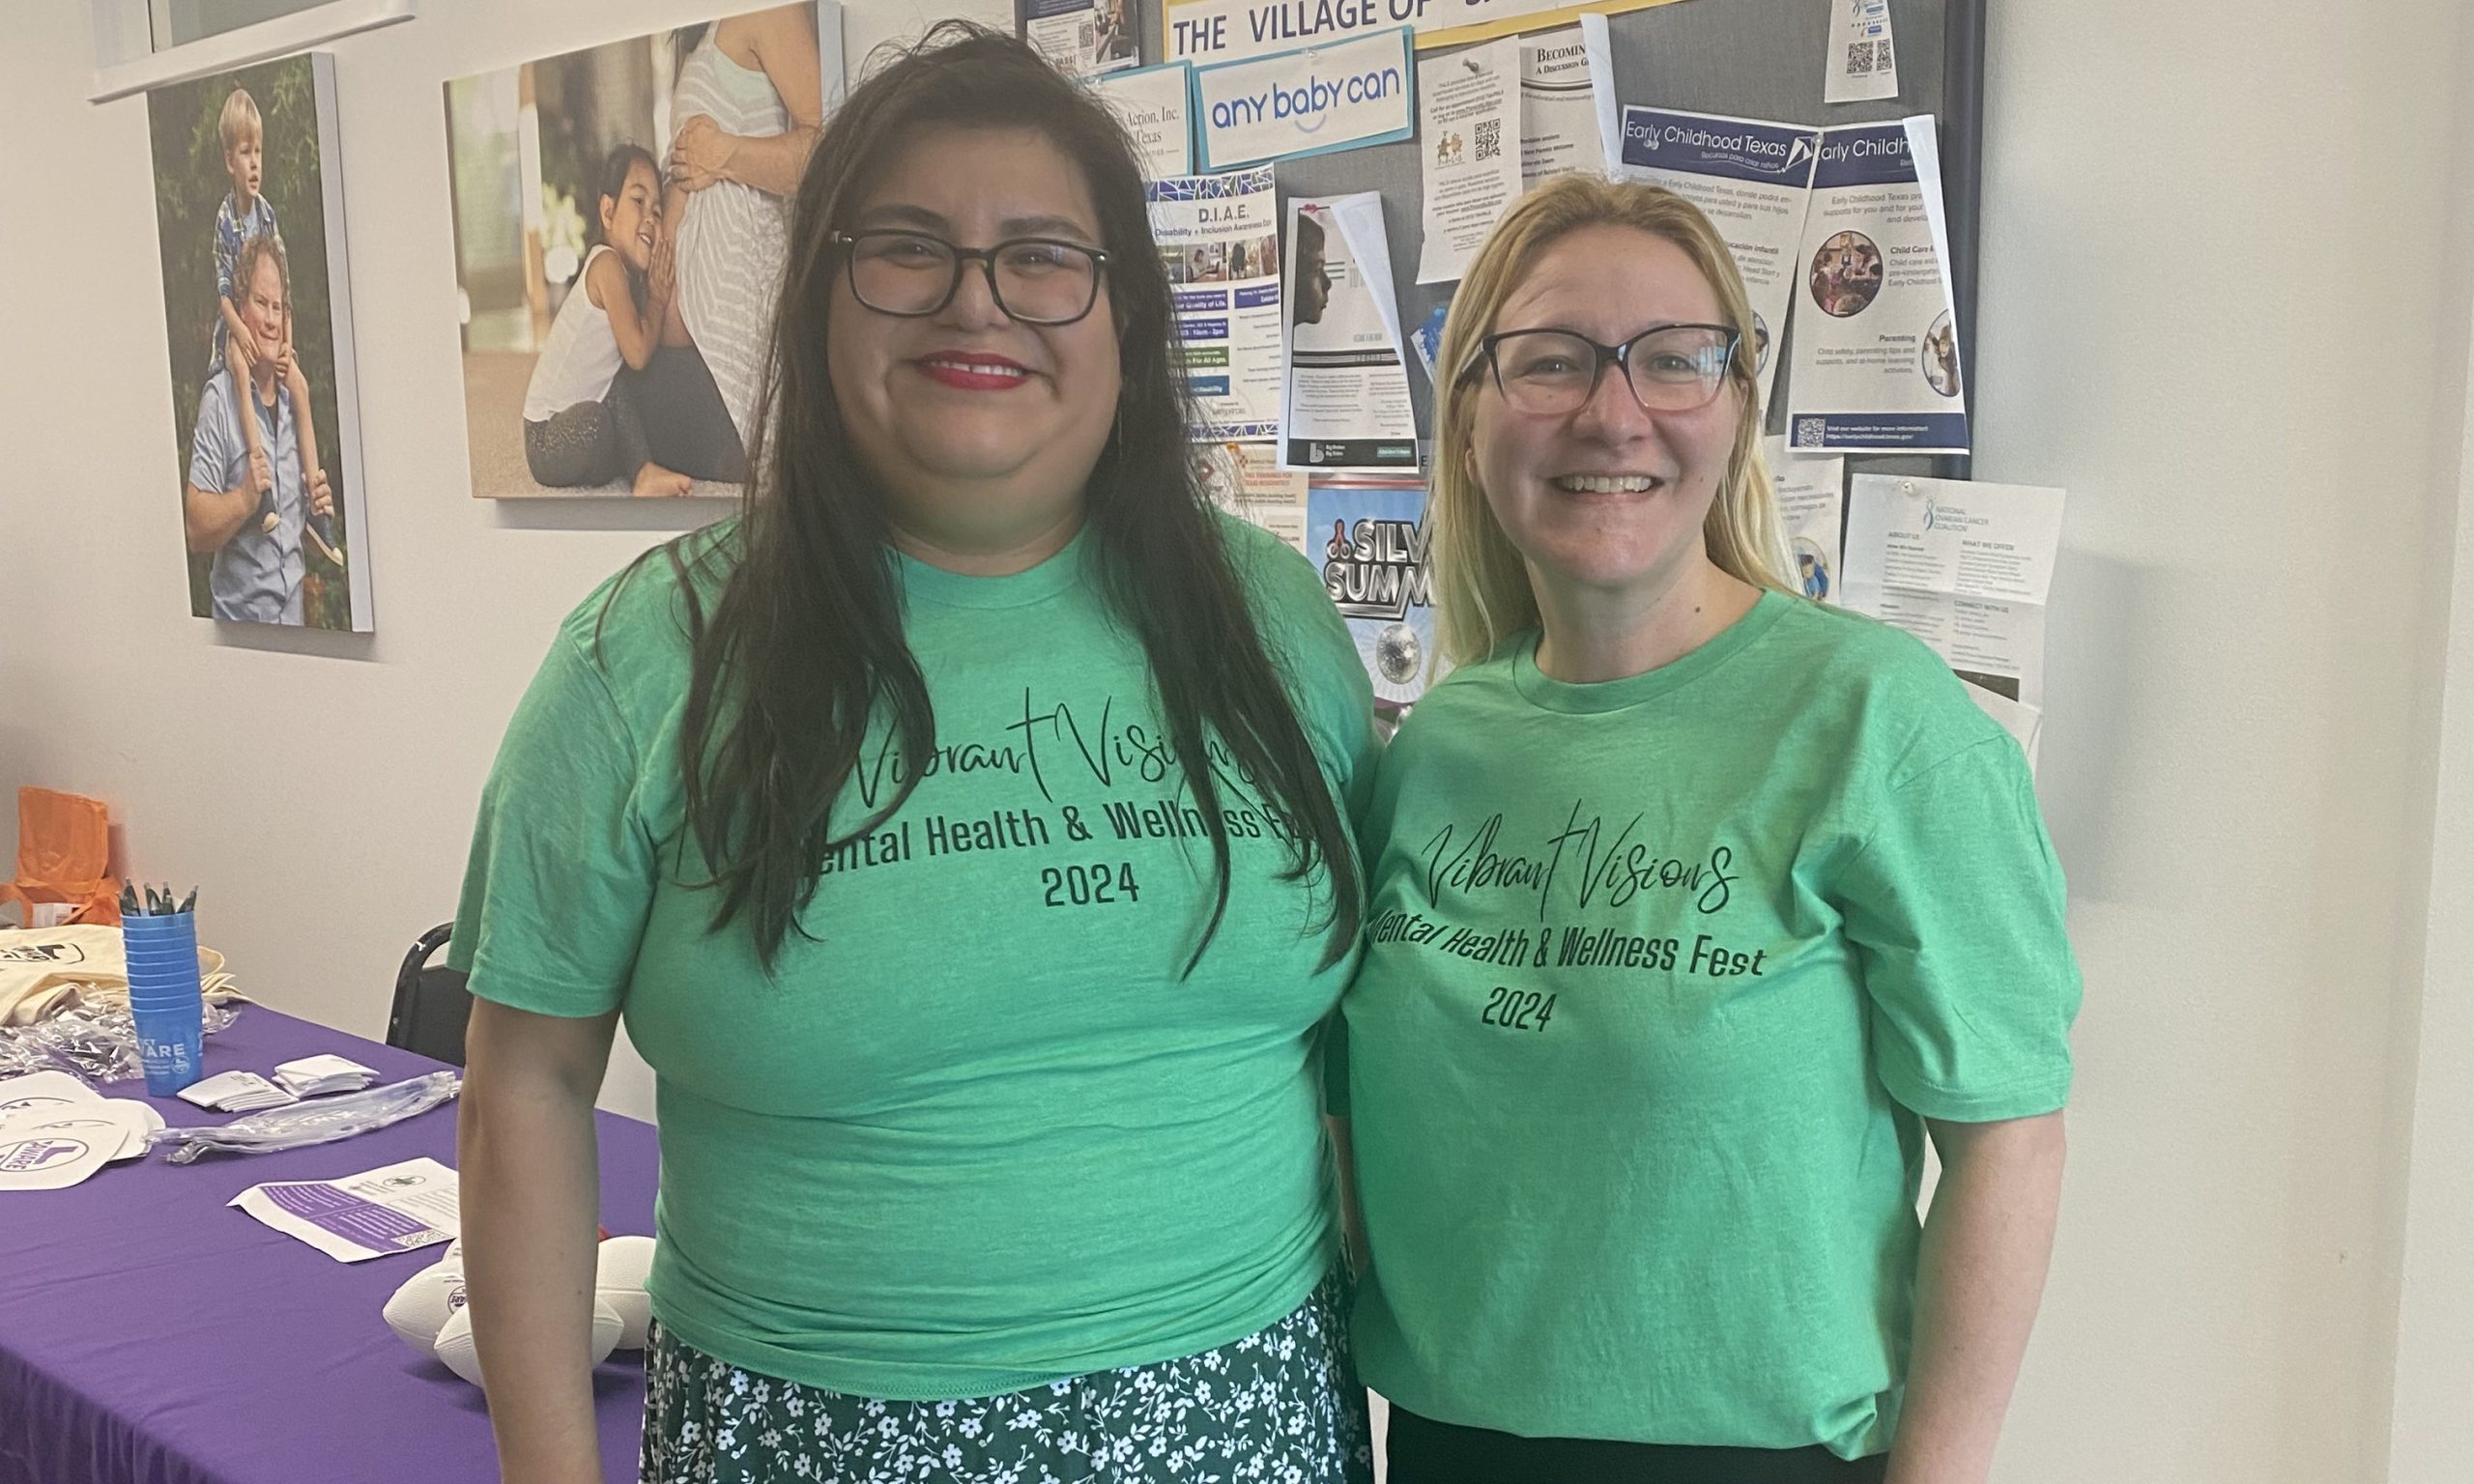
x=1038 y=280
x=1668 y=368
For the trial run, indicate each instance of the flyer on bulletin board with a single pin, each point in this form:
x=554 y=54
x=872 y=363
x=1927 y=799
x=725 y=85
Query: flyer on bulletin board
x=1557 y=108
x=1346 y=400
x=1811 y=495
x=1369 y=535
x=1246 y=480
x=1876 y=344
x=1751 y=180
x=1081 y=38
x=1469 y=111
x=1967 y=568
x=1152 y=104
x=1220 y=236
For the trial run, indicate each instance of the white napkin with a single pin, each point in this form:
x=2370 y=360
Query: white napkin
x=235 y=1092
x=313 y=1076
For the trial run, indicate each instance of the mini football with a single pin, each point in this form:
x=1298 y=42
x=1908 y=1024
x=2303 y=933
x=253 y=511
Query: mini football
x=454 y=1345
x=620 y=1282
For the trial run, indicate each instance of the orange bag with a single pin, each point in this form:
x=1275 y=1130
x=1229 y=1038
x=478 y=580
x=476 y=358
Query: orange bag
x=64 y=854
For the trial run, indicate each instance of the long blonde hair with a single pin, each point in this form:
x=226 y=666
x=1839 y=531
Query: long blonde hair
x=1481 y=591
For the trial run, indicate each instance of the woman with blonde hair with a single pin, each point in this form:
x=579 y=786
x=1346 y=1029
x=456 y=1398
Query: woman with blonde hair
x=1695 y=908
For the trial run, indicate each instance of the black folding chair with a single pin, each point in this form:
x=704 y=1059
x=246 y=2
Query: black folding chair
x=431 y=1003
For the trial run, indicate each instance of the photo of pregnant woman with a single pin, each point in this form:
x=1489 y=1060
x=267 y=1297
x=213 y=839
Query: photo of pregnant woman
x=621 y=217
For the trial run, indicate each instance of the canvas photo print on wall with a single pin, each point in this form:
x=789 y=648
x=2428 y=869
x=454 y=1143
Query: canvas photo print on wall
x=249 y=206
x=621 y=219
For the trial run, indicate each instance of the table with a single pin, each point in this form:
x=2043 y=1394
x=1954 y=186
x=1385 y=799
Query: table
x=149 y=1335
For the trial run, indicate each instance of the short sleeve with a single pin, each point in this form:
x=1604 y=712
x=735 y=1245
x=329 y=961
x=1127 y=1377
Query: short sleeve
x=1327 y=683
x=227 y=252
x=210 y=444
x=1954 y=908
x=563 y=866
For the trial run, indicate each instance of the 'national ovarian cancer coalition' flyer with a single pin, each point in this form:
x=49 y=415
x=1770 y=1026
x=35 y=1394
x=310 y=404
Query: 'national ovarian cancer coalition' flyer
x=1876 y=343
x=1220 y=234
x=1965 y=567
x=1347 y=401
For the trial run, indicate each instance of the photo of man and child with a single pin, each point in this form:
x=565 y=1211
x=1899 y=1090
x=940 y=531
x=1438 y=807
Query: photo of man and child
x=260 y=344
x=621 y=220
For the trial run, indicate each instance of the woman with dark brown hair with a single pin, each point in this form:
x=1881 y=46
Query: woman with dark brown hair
x=956 y=831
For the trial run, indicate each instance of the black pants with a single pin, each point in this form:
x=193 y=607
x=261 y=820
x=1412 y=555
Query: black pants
x=686 y=422
x=1424 y=1451
x=591 y=443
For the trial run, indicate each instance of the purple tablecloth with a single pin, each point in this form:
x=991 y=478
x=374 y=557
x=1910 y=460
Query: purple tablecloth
x=149 y=1335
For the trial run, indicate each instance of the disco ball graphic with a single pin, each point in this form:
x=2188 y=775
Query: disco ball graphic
x=1397 y=654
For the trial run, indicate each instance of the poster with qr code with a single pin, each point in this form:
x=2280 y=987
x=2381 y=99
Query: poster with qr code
x=1875 y=345
x=1469 y=136
x=1081 y=38
x=1861 y=65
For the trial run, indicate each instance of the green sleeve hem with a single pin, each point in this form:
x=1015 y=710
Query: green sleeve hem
x=533 y=994
x=2034 y=1099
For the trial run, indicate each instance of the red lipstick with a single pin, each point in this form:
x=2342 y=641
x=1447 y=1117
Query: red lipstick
x=972 y=371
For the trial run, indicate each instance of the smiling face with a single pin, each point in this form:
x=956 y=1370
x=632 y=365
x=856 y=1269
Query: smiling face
x=630 y=219
x=981 y=430
x=262 y=304
x=1610 y=497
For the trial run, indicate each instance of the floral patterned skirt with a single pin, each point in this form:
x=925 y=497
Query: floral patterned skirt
x=1282 y=1406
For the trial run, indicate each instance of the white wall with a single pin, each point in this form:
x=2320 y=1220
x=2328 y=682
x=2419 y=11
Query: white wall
x=2223 y=303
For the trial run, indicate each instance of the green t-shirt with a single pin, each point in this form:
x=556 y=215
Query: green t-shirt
x=1659 y=975
x=978 y=1135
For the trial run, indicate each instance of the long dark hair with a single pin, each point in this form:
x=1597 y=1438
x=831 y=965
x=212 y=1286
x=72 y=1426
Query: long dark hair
x=610 y=183
x=804 y=644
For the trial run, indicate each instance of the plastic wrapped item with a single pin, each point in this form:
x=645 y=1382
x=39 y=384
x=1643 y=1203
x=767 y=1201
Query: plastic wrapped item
x=322 y=1121
x=98 y=1044
x=21 y=1053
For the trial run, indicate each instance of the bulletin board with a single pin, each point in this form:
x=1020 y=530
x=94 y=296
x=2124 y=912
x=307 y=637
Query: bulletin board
x=1757 y=59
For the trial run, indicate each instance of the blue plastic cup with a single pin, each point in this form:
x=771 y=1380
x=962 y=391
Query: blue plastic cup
x=171 y=1044
x=173 y=927
x=165 y=1001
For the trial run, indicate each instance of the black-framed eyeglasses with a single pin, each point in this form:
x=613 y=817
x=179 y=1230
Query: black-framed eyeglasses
x=1669 y=368
x=1038 y=280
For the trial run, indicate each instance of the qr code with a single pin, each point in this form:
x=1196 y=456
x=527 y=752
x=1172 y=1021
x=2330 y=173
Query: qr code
x=1810 y=433
x=1865 y=58
x=1490 y=138
x=1086 y=38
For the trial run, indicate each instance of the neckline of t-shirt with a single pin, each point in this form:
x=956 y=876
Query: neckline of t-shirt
x=1015 y=589
x=1544 y=691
